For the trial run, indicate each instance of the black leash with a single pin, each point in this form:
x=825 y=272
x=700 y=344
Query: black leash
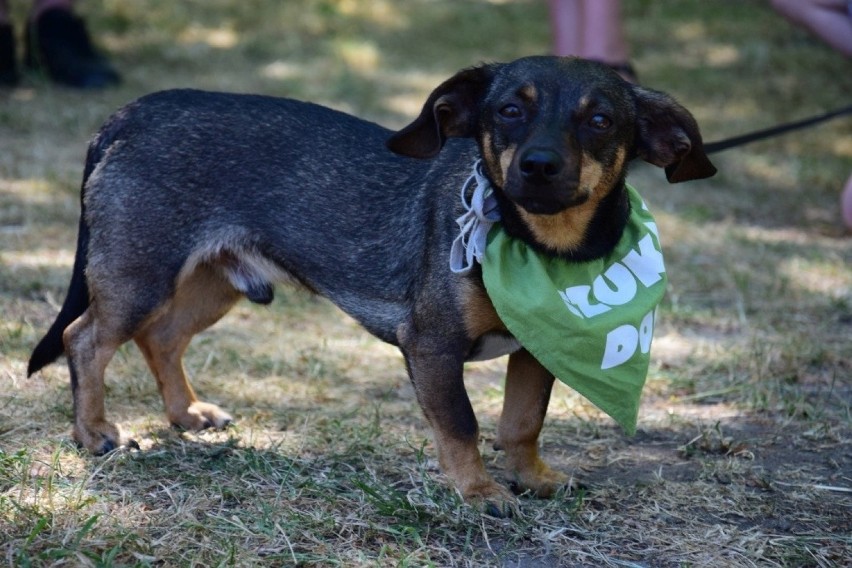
x=774 y=131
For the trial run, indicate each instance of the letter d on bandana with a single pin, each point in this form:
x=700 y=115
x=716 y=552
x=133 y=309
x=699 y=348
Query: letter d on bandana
x=589 y=323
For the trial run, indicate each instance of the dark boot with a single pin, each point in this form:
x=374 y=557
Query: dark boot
x=59 y=45
x=8 y=64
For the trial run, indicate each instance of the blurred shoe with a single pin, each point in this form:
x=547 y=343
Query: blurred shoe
x=8 y=64
x=59 y=45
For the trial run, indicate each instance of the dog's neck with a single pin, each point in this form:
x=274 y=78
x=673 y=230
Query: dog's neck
x=581 y=233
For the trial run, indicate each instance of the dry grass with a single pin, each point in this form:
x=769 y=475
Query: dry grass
x=743 y=456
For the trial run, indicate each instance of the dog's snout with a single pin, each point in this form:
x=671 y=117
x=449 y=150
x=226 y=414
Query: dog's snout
x=540 y=166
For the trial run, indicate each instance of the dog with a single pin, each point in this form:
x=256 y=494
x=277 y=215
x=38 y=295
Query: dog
x=192 y=200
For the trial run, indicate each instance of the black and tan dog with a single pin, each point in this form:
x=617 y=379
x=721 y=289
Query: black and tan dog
x=192 y=200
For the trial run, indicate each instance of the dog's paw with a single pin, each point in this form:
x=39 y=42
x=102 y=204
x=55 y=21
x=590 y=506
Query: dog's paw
x=201 y=416
x=540 y=480
x=493 y=500
x=100 y=437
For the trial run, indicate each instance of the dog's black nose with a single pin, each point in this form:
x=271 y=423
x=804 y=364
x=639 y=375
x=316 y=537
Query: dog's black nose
x=540 y=165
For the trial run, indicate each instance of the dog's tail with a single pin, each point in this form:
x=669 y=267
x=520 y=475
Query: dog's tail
x=51 y=345
x=76 y=302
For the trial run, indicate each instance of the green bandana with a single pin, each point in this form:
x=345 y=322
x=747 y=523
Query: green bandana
x=588 y=323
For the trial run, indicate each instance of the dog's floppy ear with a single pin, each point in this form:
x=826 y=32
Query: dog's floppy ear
x=451 y=110
x=668 y=136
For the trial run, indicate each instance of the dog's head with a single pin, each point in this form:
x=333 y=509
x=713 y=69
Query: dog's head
x=556 y=134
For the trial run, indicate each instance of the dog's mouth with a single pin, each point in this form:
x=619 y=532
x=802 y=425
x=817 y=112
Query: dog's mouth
x=552 y=203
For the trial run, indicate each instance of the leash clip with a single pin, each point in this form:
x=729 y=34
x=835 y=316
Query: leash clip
x=480 y=215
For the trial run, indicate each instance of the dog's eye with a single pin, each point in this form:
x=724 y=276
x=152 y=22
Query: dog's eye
x=600 y=122
x=512 y=111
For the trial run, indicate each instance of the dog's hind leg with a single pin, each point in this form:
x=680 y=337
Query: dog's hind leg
x=528 y=386
x=90 y=343
x=201 y=299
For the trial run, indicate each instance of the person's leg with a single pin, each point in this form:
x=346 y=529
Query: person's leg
x=830 y=20
x=593 y=30
x=59 y=45
x=603 y=37
x=566 y=21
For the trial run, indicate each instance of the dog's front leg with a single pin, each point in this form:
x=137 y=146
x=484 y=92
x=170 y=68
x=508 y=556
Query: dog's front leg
x=437 y=377
x=528 y=386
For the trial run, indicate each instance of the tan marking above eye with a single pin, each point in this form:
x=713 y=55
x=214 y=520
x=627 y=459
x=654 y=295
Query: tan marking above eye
x=528 y=93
